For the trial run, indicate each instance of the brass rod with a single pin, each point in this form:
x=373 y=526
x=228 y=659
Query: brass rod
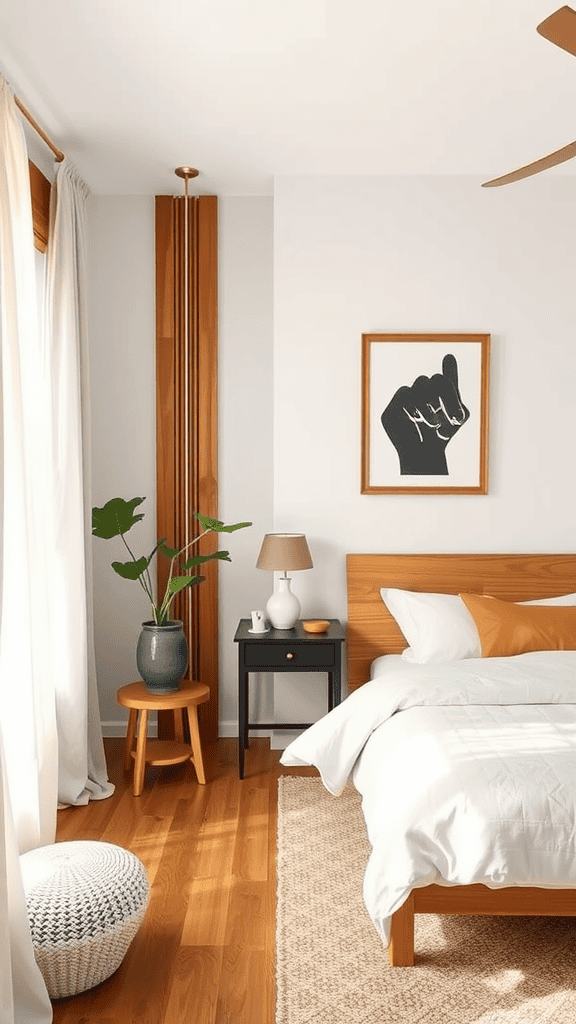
x=187 y=517
x=188 y=601
x=40 y=131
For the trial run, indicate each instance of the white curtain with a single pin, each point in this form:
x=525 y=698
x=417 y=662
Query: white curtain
x=82 y=766
x=28 y=737
x=50 y=731
x=28 y=718
x=23 y=995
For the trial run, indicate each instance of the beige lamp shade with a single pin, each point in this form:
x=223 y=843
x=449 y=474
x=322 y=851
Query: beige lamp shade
x=284 y=551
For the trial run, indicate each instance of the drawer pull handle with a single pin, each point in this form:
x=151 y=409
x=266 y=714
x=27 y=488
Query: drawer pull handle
x=289 y=656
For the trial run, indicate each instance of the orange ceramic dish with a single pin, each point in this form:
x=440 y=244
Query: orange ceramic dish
x=316 y=625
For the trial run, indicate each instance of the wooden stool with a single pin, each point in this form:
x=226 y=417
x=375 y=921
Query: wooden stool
x=137 y=697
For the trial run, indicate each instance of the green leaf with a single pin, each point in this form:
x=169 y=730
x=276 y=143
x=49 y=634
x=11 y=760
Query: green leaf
x=131 y=570
x=198 y=559
x=181 y=582
x=208 y=523
x=165 y=550
x=155 y=549
x=217 y=526
x=116 y=517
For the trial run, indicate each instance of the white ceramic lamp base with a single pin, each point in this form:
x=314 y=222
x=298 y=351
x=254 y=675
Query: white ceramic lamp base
x=283 y=608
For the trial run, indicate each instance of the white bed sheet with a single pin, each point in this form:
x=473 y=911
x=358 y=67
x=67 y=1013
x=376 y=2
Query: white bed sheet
x=387 y=663
x=467 y=773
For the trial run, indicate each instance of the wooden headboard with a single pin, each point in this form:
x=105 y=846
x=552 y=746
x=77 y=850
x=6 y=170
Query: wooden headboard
x=371 y=629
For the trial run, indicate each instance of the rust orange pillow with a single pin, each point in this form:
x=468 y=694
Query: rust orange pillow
x=506 y=628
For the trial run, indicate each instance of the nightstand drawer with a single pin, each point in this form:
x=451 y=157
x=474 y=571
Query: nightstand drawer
x=289 y=655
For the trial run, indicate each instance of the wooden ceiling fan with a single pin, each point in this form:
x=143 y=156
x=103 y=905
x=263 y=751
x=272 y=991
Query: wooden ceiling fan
x=559 y=28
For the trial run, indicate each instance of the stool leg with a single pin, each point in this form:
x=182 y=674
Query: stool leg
x=140 y=762
x=178 y=725
x=195 y=740
x=130 y=734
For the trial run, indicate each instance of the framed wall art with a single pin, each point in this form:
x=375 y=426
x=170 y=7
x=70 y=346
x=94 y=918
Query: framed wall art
x=425 y=413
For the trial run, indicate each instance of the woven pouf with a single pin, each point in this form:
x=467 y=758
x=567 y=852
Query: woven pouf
x=86 y=901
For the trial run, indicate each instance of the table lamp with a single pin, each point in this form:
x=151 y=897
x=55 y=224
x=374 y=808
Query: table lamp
x=283 y=552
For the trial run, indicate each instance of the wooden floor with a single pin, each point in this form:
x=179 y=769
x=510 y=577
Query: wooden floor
x=205 y=952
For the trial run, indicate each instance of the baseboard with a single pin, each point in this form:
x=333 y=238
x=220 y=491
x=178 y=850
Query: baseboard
x=112 y=730
x=227 y=728
x=282 y=737
x=230 y=728
x=279 y=739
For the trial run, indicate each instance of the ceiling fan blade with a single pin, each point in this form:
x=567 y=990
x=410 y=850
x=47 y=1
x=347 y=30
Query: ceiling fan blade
x=558 y=157
x=560 y=28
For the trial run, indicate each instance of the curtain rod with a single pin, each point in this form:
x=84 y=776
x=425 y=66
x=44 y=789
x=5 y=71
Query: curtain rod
x=37 y=128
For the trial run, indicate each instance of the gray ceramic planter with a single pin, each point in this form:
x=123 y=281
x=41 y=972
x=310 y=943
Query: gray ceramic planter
x=162 y=655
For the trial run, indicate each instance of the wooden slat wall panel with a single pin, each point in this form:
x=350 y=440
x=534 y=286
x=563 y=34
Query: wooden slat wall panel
x=40 y=188
x=207 y=420
x=187 y=418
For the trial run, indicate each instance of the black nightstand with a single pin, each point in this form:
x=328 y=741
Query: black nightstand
x=285 y=650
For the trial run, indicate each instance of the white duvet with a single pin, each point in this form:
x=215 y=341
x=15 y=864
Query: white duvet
x=467 y=773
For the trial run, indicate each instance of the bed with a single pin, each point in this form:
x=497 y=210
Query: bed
x=372 y=632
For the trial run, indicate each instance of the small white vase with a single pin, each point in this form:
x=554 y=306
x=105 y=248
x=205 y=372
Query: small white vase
x=283 y=608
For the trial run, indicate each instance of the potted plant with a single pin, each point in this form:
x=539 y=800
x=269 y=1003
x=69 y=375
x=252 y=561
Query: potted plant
x=162 y=651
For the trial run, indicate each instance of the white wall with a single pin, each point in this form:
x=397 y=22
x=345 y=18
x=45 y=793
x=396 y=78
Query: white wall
x=245 y=436
x=350 y=256
x=354 y=255
x=121 y=332
x=122 y=353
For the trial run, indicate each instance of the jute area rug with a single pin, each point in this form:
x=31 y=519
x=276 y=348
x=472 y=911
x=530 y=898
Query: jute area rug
x=332 y=968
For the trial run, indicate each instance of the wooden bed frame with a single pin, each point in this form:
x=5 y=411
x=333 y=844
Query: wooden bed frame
x=372 y=632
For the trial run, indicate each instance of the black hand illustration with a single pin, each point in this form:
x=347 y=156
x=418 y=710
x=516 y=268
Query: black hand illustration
x=420 y=421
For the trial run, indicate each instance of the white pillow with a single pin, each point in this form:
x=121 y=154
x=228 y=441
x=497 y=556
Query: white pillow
x=439 y=627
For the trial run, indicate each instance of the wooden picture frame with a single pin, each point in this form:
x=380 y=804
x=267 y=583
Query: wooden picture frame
x=425 y=413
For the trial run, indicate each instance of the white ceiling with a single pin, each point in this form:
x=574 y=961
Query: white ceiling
x=248 y=89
